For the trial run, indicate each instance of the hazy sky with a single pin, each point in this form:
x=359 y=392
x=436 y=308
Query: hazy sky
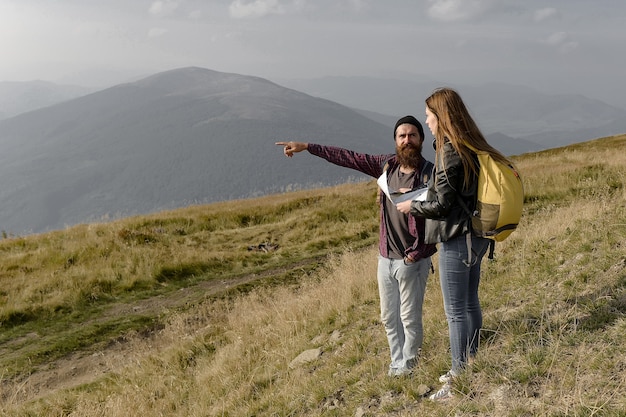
x=574 y=46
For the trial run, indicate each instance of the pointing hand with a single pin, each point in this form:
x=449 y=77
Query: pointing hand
x=292 y=147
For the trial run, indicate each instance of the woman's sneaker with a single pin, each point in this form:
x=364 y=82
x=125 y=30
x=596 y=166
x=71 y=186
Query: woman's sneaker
x=444 y=394
x=447 y=377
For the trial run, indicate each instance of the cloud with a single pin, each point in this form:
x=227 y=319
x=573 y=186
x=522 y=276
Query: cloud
x=458 y=10
x=163 y=7
x=241 y=9
x=156 y=32
x=543 y=14
x=556 y=38
x=562 y=41
x=359 y=5
x=196 y=15
x=97 y=30
x=568 y=47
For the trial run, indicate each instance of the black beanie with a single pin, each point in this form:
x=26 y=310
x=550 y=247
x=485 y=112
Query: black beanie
x=412 y=121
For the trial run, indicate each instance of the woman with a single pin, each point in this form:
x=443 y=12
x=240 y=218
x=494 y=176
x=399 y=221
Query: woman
x=451 y=199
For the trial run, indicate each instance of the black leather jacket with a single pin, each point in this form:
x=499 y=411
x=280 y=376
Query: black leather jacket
x=445 y=217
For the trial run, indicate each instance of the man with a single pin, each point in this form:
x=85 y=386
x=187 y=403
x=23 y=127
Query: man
x=404 y=258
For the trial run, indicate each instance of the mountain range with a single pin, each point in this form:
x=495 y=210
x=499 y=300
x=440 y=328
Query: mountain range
x=514 y=111
x=195 y=136
x=176 y=138
x=22 y=97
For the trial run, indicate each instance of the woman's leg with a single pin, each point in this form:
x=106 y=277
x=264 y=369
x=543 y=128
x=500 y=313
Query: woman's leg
x=456 y=285
x=474 y=311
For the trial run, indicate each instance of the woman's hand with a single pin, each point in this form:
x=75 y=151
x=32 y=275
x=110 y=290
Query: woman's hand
x=404 y=207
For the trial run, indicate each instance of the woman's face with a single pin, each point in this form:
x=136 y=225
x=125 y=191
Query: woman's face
x=431 y=121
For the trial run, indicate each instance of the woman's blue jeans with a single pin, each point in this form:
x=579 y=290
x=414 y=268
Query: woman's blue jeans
x=401 y=288
x=460 y=277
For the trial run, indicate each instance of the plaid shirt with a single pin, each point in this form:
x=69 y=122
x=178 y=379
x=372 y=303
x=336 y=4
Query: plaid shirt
x=373 y=165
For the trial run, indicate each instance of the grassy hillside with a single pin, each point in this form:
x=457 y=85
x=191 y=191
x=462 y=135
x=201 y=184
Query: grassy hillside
x=184 y=313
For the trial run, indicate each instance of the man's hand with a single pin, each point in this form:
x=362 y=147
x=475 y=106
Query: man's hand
x=293 y=147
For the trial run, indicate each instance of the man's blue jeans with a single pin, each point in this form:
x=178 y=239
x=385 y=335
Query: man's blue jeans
x=460 y=277
x=401 y=288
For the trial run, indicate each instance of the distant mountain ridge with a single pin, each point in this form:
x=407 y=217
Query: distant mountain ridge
x=504 y=143
x=22 y=97
x=189 y=136
x=520 y=112
x=176 y=138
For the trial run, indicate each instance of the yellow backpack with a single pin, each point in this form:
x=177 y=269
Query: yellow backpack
x=499 y=199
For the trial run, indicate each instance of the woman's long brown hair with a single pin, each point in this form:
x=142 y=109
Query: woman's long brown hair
x=455 y=124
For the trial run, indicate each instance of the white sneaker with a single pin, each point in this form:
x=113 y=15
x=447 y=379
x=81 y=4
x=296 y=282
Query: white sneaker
x=444 y=394
x=447 y=377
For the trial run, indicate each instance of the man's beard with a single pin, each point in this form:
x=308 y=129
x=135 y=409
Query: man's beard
x=409 y=155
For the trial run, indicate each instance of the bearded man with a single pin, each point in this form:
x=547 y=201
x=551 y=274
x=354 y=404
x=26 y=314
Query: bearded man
x=404 y=259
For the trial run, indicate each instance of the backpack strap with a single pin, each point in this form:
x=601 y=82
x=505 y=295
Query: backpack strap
x=492 y=248
x=427 y=171
x=492 y=243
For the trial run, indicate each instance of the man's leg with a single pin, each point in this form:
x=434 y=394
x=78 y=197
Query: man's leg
x=390 y=310
x=412 y=280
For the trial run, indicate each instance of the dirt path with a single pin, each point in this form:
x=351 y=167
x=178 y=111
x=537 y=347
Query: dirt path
x=81 y=367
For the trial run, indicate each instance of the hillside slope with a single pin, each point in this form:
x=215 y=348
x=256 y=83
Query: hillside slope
x=554 y=303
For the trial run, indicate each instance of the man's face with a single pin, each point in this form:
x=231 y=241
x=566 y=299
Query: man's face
x=408 y=145
x=407 y=133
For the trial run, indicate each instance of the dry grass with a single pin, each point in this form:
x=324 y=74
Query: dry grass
x=553 y=344
x=64 y=269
